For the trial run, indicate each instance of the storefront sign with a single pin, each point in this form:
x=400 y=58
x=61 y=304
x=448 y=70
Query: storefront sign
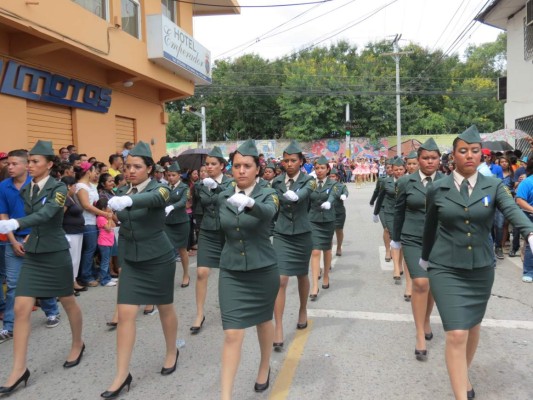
x=38 y=85
x=174 y=49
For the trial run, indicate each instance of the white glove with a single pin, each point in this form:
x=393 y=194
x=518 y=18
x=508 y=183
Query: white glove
x=325 y=205
x=241 y=201
x=168 y=210
x=375 y=218
x=529 y=240
x=119 y=203
x=395 y=245
x=290 y=195
x=9 y=225
x=343 y=197
x=423 y=264
x=210 y=183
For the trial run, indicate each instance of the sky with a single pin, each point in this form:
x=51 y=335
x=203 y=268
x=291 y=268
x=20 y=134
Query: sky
x=280 y=31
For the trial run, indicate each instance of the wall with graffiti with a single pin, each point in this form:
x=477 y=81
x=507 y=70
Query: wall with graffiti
x=330 y=148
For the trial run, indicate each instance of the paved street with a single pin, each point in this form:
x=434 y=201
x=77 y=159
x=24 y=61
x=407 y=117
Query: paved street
x=359 y=344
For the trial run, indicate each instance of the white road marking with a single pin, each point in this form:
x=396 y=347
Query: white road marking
x=373 y=316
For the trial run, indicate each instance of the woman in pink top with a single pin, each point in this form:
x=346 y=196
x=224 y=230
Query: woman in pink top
x=106 y=240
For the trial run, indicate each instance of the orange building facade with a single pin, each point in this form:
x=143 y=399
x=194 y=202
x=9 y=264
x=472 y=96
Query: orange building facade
x=96 y=73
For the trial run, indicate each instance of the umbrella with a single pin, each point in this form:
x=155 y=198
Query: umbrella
x=496 y=145
x=505 y=134
x=192 y=159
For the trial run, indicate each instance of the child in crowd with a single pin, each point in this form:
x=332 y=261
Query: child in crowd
x=106 y=240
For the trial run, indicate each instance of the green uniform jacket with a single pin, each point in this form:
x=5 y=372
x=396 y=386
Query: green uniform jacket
x=329 y=192
x=456 y=233
x=410 y=208
x=196 y=204
x=293 y=217
x=379 y=183
x=247 y=245
x=178 y=199
x=141 y=225
x=208 y=201
x=386 y=196
x=339 y=204
x=44 y=215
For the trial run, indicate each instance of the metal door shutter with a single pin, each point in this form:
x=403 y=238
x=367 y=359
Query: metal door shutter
x=49 y=122
x=125 y=131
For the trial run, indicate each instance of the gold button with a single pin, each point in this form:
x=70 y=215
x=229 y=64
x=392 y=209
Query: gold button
x=468 y=234
x=469 y=247
x=241 y=240
x=242 y=254
x=467 y=222
x=237 y=229
x=466 y=208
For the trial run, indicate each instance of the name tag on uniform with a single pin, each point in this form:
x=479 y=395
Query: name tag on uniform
x=486 y=201
x=43 y=200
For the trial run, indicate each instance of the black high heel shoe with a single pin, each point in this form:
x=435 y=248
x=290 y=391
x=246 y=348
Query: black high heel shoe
x=108 y=394
x=313 y=297
x=421 y=355
x=23 y=378
x=470 y=394
x=196 y=329
x=70 y=364
x=168 y=371
x=278 y=346
x=261 y=387
x=428 y=336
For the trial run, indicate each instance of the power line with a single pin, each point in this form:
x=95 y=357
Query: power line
x=195 y=3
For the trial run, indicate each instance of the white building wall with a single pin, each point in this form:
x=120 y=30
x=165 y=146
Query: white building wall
x=519 y=73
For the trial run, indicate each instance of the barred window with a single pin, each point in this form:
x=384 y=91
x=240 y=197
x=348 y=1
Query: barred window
x=524 y=124
x=97 y=7
x=528 y=41
x=169 y=9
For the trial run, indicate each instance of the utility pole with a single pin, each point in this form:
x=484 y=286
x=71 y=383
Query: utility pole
x=201 y=115
x=347 y=150
x=396 y=55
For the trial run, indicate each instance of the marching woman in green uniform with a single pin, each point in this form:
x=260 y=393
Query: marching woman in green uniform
x=409 y=217
x=411 y=162
x=292 y=235
x=211 y=239
x=458 y=255
x=47 y=266
x=322 y=218
x=387 y=198
x=177 y=223
x=147 y=260
x=249 y=276
x=379 y=185
x=340 y=210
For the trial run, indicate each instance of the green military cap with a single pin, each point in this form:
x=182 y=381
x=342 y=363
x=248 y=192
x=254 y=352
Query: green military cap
x=430 y=145
x=174 y=167
x=271 y=166
x=322 y=161
x=293 y=148
x=334 y=171
x=141 y=149
x=398 y=162
x=389 y=161
x=248 y=149
x=43 y=148
x=216 y=152
x=412 y=155
x=471 y=135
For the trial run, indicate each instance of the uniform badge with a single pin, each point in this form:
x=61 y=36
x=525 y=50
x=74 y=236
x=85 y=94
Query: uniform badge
x=276 y=201
x=164 y=192
x=60 y=199
x=313 y=184
x=233 y=184
x=507 y=190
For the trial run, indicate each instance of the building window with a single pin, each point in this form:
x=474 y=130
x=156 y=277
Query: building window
x=169 y=9
x=528 y=41
x=131 y=21
x=97 y=7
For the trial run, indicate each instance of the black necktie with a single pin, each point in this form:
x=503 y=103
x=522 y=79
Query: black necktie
x=291 y=182
x=464 y=190
x=319 y=185
x=428 y=181
x=35 y=191
x=242 y=192
x=134 y=190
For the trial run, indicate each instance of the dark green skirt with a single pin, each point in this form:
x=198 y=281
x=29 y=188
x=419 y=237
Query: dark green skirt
x=340 y=219
x=412 y=251
x=247 y=297
x=293 y=253
x=148 y=282
x=382 y=218
x=388 y=221
x=178 y=234
x=210 y=244
x=461 y=295
x=46 y=275
x=322 y=235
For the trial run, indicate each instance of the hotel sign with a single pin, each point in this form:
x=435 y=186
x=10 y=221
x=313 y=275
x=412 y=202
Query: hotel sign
x=174 y=49
x=38 y=85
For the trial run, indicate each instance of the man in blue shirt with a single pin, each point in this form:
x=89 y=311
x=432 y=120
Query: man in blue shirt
x=12 y=206
x=524 y=199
